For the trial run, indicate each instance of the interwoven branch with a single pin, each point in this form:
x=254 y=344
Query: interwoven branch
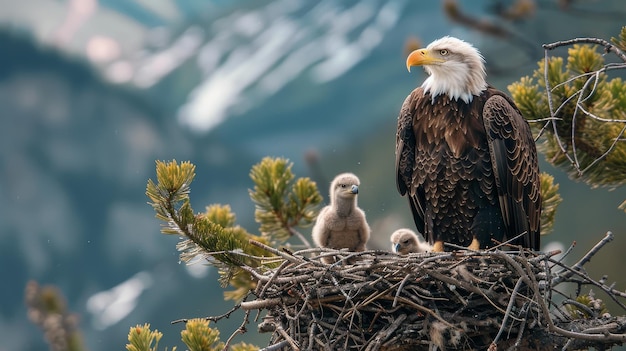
x=456 y=301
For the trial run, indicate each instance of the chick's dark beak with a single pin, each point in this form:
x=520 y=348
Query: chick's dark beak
x=355 y=189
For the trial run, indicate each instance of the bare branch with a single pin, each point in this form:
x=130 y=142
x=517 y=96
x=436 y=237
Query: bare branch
x=384 y=301
x=608 y=47
x=608 y=237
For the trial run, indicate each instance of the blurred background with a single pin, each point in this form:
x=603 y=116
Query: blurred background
x=92 y=92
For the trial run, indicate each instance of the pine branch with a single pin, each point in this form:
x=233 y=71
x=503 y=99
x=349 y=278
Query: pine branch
x=282 y=204
x=582 y=110
x=47 y=309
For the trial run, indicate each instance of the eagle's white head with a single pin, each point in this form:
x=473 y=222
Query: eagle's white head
x=455 y=68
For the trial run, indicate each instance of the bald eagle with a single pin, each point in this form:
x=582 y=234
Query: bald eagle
x=465 y=156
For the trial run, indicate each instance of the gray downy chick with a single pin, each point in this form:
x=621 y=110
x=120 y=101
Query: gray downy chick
x=405 y=241
x=342 y=224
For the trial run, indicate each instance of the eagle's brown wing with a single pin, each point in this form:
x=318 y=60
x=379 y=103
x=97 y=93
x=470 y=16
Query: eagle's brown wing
x=405 y=160
x=514 y=161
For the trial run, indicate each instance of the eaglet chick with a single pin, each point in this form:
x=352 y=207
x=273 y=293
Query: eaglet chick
x=405 y=241
x=342 y=225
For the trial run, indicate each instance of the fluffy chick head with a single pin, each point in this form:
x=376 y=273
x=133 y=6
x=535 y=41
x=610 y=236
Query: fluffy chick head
x=405 y=241
x=344 y=186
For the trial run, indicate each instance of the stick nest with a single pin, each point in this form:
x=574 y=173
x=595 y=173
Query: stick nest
x=461 y=300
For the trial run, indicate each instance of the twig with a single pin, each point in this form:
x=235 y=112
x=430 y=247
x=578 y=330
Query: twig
x=612 y=293
x=294 y=344
x=385 y=333
x=507 y=242
x=575 y=113
x=399 y=291
x=608 y=47
x=240 y=330
x=267 y=303
x=606 y=153
x=580 y=306
x=212 y=319
x=275 y=274
x=551 y=107
x=567 y=252
x=274 y=251
x=278 y=346
x=508 y=311
x=522 y=328
x=257 y=275
x=608 y=237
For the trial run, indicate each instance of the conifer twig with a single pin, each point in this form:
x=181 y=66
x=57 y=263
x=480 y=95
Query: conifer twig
x=608 y=47
x=211 y=318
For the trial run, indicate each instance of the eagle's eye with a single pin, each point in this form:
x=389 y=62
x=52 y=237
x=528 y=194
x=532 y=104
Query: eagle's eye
x=443 y=52
x=342 y=185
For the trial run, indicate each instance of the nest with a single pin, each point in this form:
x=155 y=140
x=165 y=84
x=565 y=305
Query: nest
x=462 y=300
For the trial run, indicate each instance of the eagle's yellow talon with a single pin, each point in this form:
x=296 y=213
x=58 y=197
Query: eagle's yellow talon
x=475 y=245
x=438 y=246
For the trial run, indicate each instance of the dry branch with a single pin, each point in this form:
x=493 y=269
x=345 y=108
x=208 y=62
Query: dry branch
x=496 y=300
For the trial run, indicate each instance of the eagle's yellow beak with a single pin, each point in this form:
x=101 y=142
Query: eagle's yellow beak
x=421 y=57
